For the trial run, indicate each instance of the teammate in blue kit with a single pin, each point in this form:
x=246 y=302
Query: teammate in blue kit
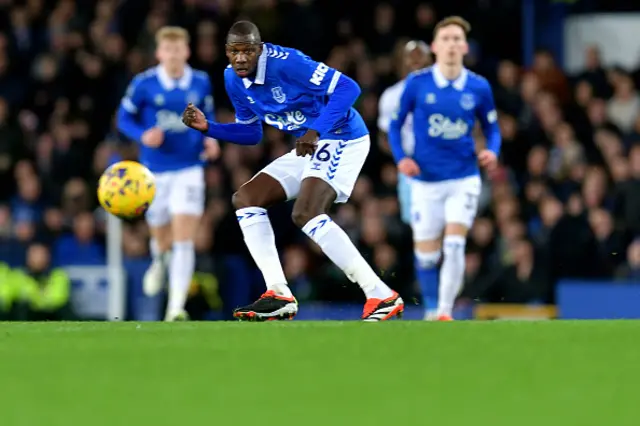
x=288 y=90
x=416 y=55
x=445 y=100
x=150 y=113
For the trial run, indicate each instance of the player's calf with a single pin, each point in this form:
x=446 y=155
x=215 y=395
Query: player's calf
x=183 y=259
x=426 y=267
x=251 y=202
x=309 y=212
x=451 y=273
x=160 y=245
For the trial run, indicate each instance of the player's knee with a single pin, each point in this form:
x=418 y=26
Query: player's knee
x=236 y=200
x=241 y=199
x=184 y=227
x=161 y=237
x=427 y=246
x=303 y=212
x=163 y=244
x=301 y=216
x=253 y=195
x=456 y=229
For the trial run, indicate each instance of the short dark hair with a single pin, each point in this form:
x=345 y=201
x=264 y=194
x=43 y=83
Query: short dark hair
x=245 y=29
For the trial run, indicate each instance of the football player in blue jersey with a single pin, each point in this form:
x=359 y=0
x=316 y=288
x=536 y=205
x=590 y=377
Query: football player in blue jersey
x=150 y=113
x=416 y=55
x=445 y=100
x=290 y=91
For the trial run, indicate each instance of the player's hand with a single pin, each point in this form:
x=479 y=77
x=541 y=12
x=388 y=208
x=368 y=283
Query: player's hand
x=194 y=118
x=408 y=167
x=488 y=160
x=307 y=143
x=211 y=149
x=153 y=137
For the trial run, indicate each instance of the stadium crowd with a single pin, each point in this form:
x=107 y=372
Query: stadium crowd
x=562 y=205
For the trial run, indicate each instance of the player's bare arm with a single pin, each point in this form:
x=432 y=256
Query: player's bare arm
x=307 y=143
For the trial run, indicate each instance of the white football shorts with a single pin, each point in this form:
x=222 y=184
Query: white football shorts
x=177 y=192
x=435 y=204
x=337 y=162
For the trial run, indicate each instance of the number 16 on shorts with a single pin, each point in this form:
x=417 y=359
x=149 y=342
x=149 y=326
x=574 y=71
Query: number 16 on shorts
x=328 y=156
x=339 y=163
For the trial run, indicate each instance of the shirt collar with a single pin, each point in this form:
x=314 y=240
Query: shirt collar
x=442 y=82
x=262 y=70
x=169 y=83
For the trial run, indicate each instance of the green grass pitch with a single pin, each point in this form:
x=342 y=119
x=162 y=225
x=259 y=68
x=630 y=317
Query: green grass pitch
x=555 y=373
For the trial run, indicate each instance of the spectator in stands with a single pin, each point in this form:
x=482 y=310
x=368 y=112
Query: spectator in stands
x=522 y=281
x=8 y=294
x=610 y=240
x=550 y=76
x=594 y=73
x=628 y=202
x=12 y=148
x=43 y=291
x=623 y=108
x=631 y=269
x=81 y=247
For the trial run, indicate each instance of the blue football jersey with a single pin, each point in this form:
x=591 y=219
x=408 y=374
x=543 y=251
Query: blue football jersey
x=153 y=99
x=289 y=92
x=444 y=115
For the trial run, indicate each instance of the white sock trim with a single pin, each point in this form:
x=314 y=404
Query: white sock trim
x=453 y=239
x=427 y=259
x=317 y=227
x=183 y=245
x=249 y=215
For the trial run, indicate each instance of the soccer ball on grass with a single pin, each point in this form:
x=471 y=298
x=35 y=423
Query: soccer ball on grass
x=126 y=189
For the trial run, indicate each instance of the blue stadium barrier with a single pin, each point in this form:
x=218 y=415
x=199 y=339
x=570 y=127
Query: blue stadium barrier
x=89 y=290
x=598 y=299
x=89 y=295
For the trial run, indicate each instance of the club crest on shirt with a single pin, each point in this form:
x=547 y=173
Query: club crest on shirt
x=278 y=94
x=467 y=101
x=158 y=100
x=193 y=98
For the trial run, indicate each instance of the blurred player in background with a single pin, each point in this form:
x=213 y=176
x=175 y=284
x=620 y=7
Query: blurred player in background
x=445 y=100
x=415 y=55
x=150 y=114
x=290 y=91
